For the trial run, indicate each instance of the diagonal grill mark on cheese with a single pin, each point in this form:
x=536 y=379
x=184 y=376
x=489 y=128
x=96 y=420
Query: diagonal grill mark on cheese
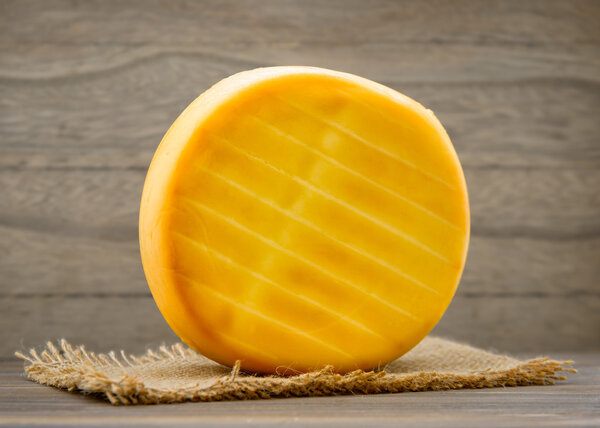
x=367 y=143
x=275 y=245
x=349 y=207
x=263 y=278
x=293 y=216
x=353 y=172
x=255 y=350
x=373 y=109
x=259 y=314
x=330 y=167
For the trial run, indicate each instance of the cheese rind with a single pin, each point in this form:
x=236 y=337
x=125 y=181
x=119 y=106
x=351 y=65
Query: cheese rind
x=298 y=217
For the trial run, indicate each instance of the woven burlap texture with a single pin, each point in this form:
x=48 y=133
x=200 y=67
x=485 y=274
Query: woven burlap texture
x=177 y=374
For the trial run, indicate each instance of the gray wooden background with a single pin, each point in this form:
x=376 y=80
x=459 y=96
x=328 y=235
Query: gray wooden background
x=88 y=88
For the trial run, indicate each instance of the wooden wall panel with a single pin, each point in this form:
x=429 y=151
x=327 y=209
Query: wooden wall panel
x=87 y=89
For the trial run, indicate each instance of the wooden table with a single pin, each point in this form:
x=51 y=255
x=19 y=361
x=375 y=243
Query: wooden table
x=574 y=403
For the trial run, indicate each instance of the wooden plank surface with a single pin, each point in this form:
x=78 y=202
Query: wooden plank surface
x=129 y=320
x=572 y=403
x=115 y=120
x=87 y=89
x=546 y=204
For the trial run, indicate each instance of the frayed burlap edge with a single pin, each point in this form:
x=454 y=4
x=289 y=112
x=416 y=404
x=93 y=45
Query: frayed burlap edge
x=75 y=369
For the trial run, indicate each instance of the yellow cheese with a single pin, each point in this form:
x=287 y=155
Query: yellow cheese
x=296 y=217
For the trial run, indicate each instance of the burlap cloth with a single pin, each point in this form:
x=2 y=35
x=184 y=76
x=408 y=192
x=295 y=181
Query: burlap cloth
x=177 y=374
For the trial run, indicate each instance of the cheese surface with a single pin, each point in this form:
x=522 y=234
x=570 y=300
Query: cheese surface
x=296 y=217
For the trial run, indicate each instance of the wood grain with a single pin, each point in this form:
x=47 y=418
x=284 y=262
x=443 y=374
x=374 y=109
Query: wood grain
x=549 y=204
x=504 y=40
x=84 y=260
x=574 y=403
x=130 y=320
x=87 y=89
x=224 y=22
x=117 y=119
x=523 y=323
x=77 y=230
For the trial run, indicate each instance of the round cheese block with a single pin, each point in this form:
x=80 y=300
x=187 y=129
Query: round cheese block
x=297 y=217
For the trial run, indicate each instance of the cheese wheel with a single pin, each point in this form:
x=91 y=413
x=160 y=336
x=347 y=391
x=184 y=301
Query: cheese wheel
x=297 y=217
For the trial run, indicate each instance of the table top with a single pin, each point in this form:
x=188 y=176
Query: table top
x=575 y=402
